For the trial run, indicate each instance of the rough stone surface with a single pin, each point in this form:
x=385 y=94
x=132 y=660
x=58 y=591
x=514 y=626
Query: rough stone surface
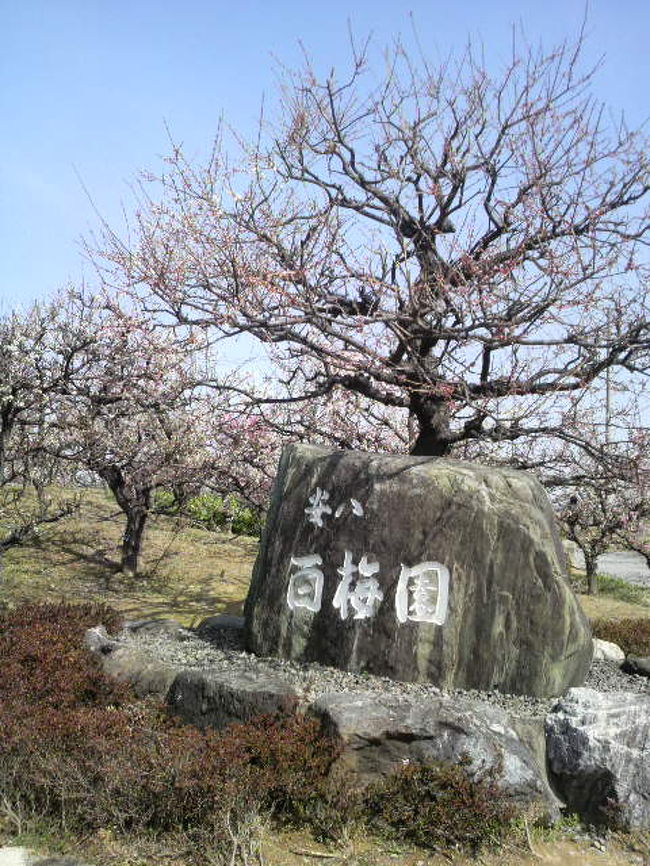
x=146 y=676
x=381 y=734
x=605 y=650
x=97 y=640
x=155 y=627
x=512 y=622
x=637 y=665
x=123 y=660
x=224 y=629
x=208 y=699
x=598 y=749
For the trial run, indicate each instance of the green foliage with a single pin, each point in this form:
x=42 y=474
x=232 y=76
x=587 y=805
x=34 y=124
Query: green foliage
x=632 y=635
x=165 y=502
x=615 y=587
x=212 y=512
x=440 y=806
x=208 y=510
x=244 y=520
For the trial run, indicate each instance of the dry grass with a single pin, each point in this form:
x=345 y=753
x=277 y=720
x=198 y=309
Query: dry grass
x=297 y=848
x=606 y=607
x=186 y=573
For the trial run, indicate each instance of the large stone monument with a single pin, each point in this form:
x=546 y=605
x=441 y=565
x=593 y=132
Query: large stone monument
x=418 y=569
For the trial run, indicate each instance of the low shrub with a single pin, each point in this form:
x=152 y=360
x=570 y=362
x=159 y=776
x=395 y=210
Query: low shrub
x=440 y=806
x=165 y=502
x=208 y=510
x=43 y=661
x=245 y=520
x=632 y=635
x=79 y=749
x=212 y=512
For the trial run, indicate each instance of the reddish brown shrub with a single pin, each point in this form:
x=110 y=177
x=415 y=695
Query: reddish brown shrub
x=43 y=660
x=79 y=748
x=632 y=635
x=440 y=806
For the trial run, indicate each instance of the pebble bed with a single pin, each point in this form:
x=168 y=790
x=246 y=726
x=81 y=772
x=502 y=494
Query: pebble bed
x=221 y=650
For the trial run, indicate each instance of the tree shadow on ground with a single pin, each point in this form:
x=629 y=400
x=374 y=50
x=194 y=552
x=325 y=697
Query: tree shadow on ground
x=186 y=573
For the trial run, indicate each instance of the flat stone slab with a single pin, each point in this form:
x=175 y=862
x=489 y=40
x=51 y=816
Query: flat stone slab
x=216 y=699
x=382 y=734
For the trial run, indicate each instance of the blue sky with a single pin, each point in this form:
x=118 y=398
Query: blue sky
x=87 y=88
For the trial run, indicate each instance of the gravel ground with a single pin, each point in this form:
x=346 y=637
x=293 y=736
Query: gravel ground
x=223 y=651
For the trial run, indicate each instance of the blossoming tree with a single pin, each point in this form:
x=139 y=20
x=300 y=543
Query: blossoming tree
x=465 y=249
x=134 y=411
x=32 y=371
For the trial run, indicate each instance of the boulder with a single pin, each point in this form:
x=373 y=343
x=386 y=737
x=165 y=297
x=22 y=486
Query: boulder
x=380 y=734
x=218 y=698
x=419 y=569
x=598 y=750
x=128 y=664
x=605 y=650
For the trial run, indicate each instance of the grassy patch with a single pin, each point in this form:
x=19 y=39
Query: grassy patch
x=186 y=572
x=616 y=599
x=614 y=587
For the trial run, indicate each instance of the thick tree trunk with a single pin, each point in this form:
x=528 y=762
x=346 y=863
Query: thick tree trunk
x=132 y=539
x=432 y=419
x=135 y=502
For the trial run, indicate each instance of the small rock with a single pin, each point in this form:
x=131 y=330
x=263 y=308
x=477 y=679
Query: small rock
x=22 y=857
x=637 y=666
x=14 y=857
x=96 y=639
x=605 y=650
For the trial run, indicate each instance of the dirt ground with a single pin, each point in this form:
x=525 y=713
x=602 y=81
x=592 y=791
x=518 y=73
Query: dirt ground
x=294 y=850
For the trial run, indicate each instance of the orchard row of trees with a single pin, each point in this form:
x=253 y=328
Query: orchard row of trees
x=92 y=391
x=435 y=260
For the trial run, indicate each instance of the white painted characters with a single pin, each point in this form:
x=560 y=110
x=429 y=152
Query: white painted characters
x=306 y=584
x=364 y=594
x=422 y=593
x=318 y=506
x=422 y=590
